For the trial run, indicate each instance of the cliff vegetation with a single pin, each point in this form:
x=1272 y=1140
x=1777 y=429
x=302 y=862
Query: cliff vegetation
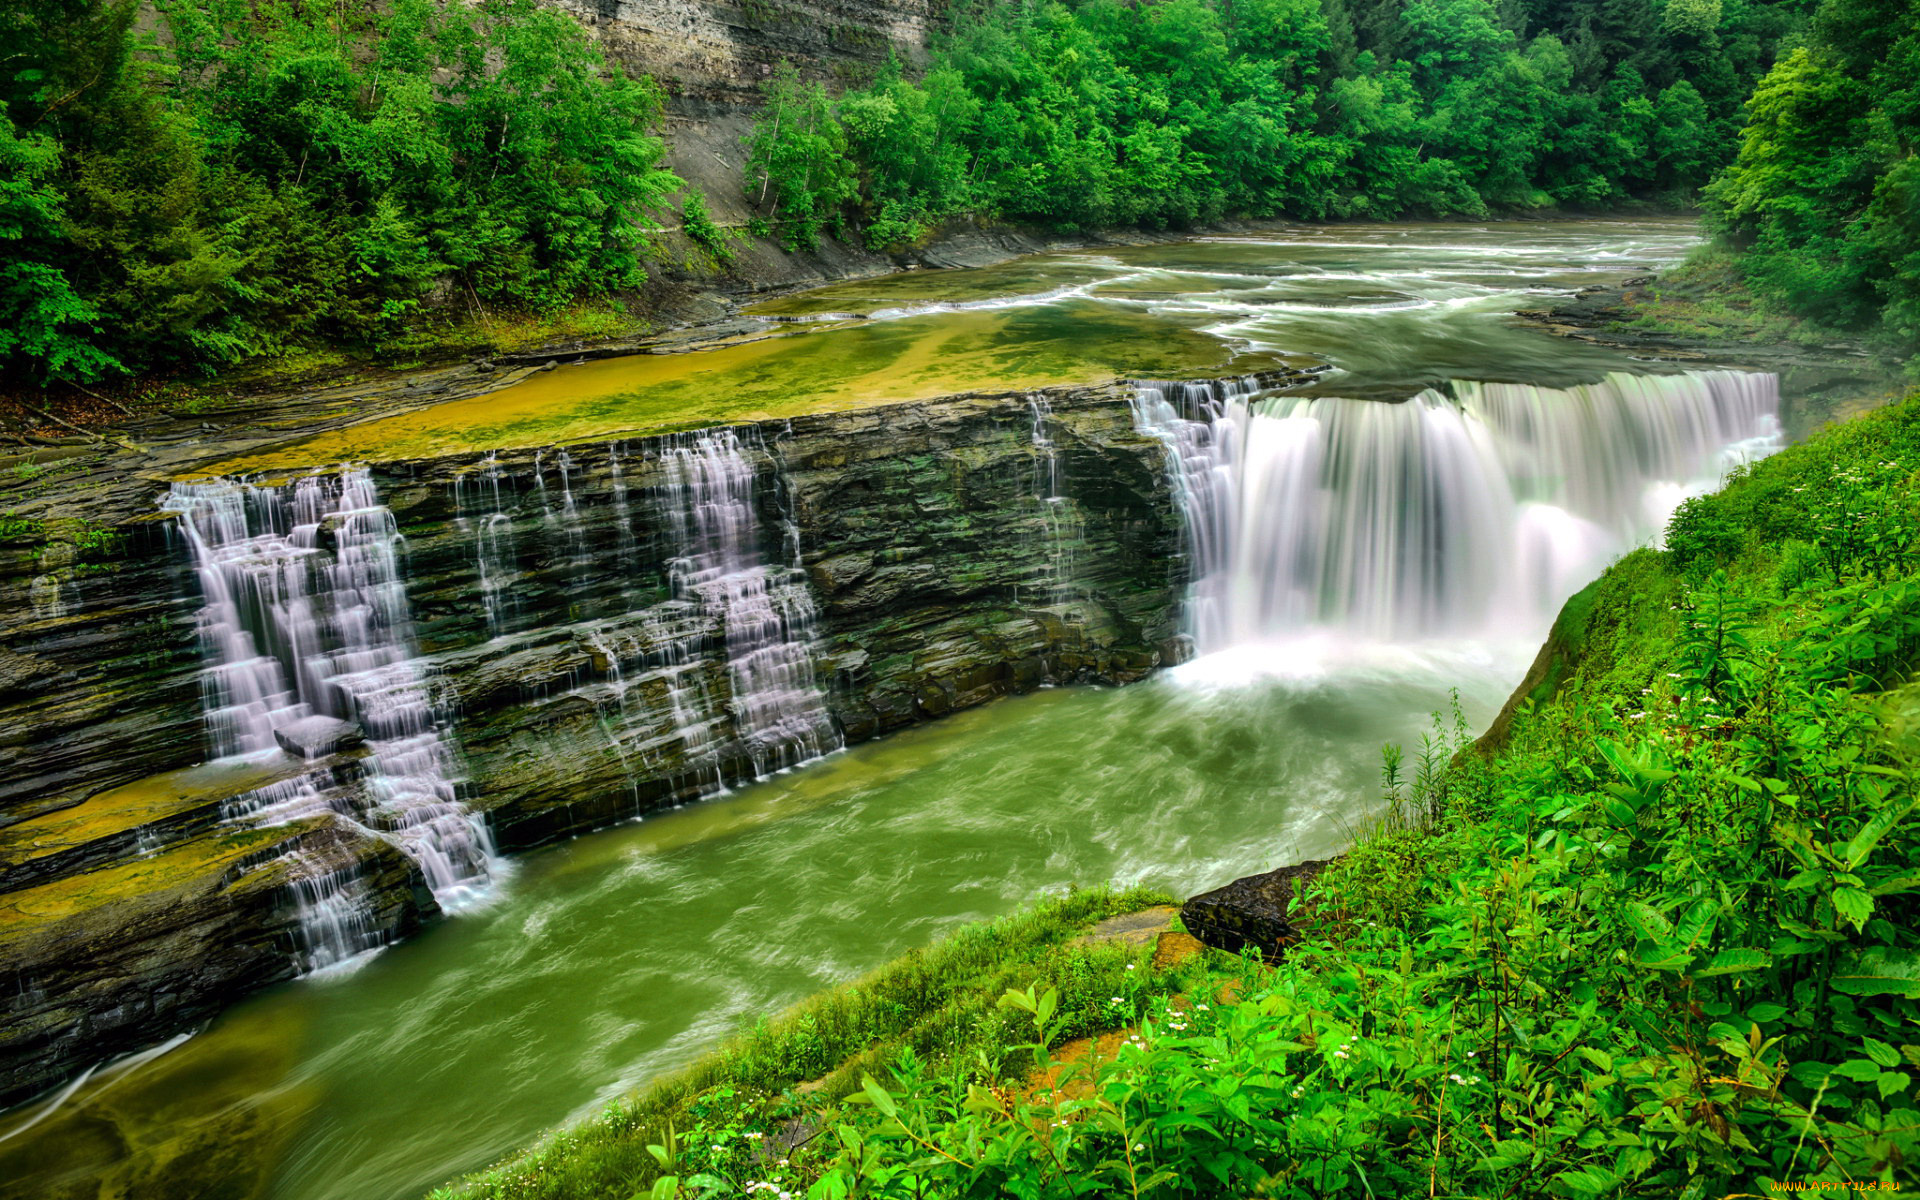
x=227 y=180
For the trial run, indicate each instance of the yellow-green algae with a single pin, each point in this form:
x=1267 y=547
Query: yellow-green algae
x=209 y=1119
x=130 y=806
x=810 y=370
x=194 y=867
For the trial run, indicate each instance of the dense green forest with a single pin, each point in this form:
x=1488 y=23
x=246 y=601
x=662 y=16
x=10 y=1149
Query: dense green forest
x=1658 y=936
x=261 y=176
x=1101 y=112
x=227 y=179
x=1823 y=203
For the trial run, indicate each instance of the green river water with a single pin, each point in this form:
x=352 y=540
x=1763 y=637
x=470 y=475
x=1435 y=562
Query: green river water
x=605 y=961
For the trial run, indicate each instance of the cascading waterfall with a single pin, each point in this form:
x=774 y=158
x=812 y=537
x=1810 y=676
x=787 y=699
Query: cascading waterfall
x=767 y=611
x=305 y=615
x=1199 y=425
x=1473 y=516
x=496 y=558
x=1060 y=524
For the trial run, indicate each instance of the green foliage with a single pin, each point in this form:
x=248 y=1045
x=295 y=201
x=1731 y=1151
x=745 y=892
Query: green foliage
x=699 y=227
x=1101 y=112
x=1662 y=944
x=1824 y=198
x=267 y=176
x=797 y=166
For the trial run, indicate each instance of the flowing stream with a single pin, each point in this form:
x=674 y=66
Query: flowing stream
x=1354 y=563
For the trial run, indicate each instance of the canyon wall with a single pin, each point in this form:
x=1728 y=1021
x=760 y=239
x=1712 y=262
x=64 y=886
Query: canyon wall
x=575 y=630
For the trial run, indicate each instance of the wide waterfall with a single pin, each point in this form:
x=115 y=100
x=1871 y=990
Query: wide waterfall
x=1475 y=515
x=306 y=628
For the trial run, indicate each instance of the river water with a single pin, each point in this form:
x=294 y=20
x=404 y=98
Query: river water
x=603 y=962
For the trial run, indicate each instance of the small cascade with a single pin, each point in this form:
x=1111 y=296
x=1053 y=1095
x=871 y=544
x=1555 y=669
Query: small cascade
x=483 y=513
x=1059 y=520
x=1472 y=516
x=626 y=548
x=334 y=908
x=305 y=621
x=767 y=611
x=661 y=659
x=562 y=520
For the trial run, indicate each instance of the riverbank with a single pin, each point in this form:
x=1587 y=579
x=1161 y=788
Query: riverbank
x=1701 y=313
x=1660 y=933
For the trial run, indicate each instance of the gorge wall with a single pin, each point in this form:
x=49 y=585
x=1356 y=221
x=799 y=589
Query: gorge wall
x=600 y=631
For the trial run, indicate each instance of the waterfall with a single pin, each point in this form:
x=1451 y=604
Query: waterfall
x=1200 y=426
x=1472 y=516
x=1060 y=526
x=496 y=558
x=767 y=610
x=308 y=639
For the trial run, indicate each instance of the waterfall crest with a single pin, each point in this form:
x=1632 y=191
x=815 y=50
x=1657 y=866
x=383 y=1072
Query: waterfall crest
x=1471 y=516
x=305 y=618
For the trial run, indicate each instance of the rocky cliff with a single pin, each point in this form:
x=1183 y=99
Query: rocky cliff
x=922 y=557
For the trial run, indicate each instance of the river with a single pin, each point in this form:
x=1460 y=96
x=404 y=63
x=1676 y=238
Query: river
x=600 y=963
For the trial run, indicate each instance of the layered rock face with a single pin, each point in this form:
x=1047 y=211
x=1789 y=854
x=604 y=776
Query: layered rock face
x=603 y=630
x=710 y=53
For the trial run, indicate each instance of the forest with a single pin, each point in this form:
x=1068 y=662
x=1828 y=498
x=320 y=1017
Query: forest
x=255 y=178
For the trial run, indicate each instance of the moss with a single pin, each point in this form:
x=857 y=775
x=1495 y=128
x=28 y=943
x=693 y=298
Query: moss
x=809 y=370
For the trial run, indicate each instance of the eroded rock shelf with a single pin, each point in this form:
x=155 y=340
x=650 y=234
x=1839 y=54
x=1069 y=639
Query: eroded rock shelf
x=954 y=550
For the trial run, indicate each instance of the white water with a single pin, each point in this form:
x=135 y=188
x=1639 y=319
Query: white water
x=305 y=613
x=1463 y=518
x=1060 y=527
x=494 y=553
x=767 y=610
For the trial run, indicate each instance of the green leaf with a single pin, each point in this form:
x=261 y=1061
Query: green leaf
x=1880 y=972
x=1897 y=885
x=1853 y=904
x=1590 y=1181
x=1880 y=1052
x=1860 y=1070
x=1734 y=960
x=1762 y=1013
x=882 y=1099
x=1891 y=1082
x=1657 y=956
x=1874 y=830
x=1649 y=922
x=1507 y=1155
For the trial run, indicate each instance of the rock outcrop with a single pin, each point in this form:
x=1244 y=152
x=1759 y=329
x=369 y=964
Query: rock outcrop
x=1255 y=911
x=948 y=555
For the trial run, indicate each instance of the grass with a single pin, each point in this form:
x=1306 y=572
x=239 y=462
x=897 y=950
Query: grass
x=1705 y=297
x=939 y=1005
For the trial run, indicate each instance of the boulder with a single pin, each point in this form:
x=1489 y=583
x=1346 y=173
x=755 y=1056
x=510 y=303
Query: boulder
x=317 y=737
x=1251 y=911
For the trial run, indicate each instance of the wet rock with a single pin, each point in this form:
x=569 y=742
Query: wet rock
x=1171 y=949
x=1252 y=911
x=317 y=737
x=1134 y=929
